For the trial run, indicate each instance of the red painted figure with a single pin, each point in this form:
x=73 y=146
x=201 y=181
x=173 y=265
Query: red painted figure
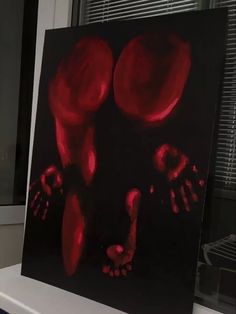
x=148 y=81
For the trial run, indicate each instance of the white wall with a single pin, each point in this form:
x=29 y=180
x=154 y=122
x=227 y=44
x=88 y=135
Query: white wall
x=11 y=237
x=51 y=14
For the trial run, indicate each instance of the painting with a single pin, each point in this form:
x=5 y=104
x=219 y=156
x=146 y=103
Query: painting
x=122 y=149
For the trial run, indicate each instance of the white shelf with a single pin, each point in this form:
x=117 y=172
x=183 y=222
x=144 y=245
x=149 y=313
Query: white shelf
x=22 y=295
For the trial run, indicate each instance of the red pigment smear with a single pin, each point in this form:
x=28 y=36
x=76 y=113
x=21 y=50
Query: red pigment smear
x=35 y=199
x=45 y=214
x=184 y=198
x=150 y=76
x=73 y=229
x=76 y=146
x=55 y=175
x=189 y=185
x=151 y=189
x=88 y=156
x=132 y=201
x=106 y=269
x=124 y=272
x=174 y=206
x=201 y=183
x=36 y=210
x=132 y=206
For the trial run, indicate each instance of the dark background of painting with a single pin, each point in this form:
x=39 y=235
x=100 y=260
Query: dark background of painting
x=162 y=280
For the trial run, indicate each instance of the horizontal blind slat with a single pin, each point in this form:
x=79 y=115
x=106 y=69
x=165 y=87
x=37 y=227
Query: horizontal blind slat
x=98 y=11
x=138 y=4
x=135 y=16
x=137 y=13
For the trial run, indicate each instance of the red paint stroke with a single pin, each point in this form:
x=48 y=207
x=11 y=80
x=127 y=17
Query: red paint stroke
x=151 y=189
x=114 y=251
x=45 y=214
x=129 y=267
x=70 y=141
x=132 y=202
x=55 y=176
x=76 y=146
x=111 y=274
x=189 y=185
x=119 y=249
x=73 y=229
x=124 y=272
x=82 y=81
x=201 y=182
x=35 y=198
x=106 y=269
x=35 y=212
x=132 y=205
x=166 y=155
x=184 y=198
x=174 y=206
x=117 y=272
x=88 y=156
x=150 y=76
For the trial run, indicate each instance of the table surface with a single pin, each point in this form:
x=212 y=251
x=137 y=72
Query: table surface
x=22 y=295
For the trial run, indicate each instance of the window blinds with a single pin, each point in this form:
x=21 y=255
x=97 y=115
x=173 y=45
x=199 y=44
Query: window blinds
x=106 y=10
x=225 y=169
x=92 y=11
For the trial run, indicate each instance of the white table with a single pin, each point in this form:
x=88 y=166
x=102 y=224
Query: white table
x=22 y=295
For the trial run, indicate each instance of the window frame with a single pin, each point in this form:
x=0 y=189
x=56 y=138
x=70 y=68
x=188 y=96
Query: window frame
x=14 y=213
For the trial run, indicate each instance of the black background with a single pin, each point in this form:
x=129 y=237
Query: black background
x=163 y=277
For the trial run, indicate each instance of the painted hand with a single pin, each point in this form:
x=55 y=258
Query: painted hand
x=43 y=190
x=182 y=177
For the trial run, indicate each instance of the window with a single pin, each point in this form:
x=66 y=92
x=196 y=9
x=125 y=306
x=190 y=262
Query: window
x=225 y=169
x=102 y=11
x=17 y=36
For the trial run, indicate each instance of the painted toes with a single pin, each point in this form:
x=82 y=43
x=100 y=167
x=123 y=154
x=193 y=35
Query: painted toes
x=123 y=272
x=106 y=269
x=128 y=267
x=117 y=272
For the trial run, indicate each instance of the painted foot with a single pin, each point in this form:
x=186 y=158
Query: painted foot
x=120 y=261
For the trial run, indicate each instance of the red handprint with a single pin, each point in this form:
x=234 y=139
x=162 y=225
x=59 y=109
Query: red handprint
x=182 y=177
x=44 y=189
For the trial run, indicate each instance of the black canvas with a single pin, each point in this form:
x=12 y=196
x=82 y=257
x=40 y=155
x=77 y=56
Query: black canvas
x=122 y=149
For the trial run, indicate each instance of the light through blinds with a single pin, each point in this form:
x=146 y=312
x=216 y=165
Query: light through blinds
x=225 y=171
x=105 y=10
